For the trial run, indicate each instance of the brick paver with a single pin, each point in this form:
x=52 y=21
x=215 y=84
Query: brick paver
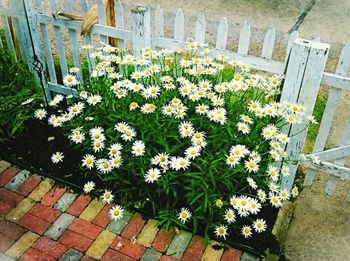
x=49 y=223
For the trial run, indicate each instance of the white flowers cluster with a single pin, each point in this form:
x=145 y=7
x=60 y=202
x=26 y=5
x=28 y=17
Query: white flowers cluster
x=184 y=88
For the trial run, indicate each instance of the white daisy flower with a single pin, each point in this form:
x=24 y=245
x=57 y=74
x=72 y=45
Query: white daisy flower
x=115 y=149
x=261 y=195
x=168 y=110
x=70 y=80
x=107 y=197
x=89 y=186
x=116 y=161
x=184 y=215
x=192 y=152
x=252 y=183
x=57 y=157
x=97 y=145
x=133 y=106
x=295 y=192
x=128 y=134
x=230 y=216
x=247 y=231
x=275 y=201
x=251 y=165
x=221 y=231
x=243 y=127
x=254 y=206
x=284 y=194
x=152 y=175
x=138 y=148
x=202 y=109
x=94 y=99
x=104 y=165
x=77 y=137
x=40 y=114
x=121 y=127
x=259 y=225
x=116 y=212
x=232 y=160
x=234 y=201
x=148 y=108
x=88 y=161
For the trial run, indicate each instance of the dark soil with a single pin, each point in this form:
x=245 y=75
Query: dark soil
x=33 y=149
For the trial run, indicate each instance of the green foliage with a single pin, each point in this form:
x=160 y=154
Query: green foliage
x=19 y=95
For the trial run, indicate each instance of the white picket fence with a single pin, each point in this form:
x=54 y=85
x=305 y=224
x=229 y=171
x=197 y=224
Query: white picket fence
x=303 y=64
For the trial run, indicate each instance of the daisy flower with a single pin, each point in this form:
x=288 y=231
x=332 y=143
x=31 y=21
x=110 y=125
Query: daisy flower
x=133 y=106
x=152 y=175
x=89 y=186
x=94 y=99
x=168 y=110
x=115 y=150
x=121 y=126
x=252 y=183
x=148 y=108
x=97 y=145
x=184 y=215
x=178 y=163
x=259 y=225
x=202 y=109
x=57 y=157
x=247 y=231
x=192 y=152
x=239 y=151
x=261 y=195
x=284 y=194
x=70 y=80
x=295 y=192
x=88 y=161
x=285 y=171
x=234 y=201
x=246 y=119
x=40 y=114
x=107 y=197
x=251 y=165
x=243 y=202
x=221 y=231
x=116 y=212
x=275 y=201
x=273 y=173
x=219 y=203
x=232 y=160
x=116 y=161
x=104 y=165
x=243 y=127
x=230 y=216
x=138 y=148
x=77 y=137
x=254 y=206
x=96 y=133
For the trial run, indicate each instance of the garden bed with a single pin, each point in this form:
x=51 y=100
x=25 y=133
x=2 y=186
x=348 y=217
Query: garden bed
x=32 y=149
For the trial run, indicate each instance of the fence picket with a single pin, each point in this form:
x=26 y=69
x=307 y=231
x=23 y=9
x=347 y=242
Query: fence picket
x=221 y=38
x=159 y=22
x=141 y=34
x=179 y=30
x=199 y=35
x=328 y=114
x=68 y=5
x=294 y=35
x=47 y=47
x=102 y=18
x=119 y=16
x=302 y=82
x=59 y=43
x=269 y=42
x=84 y=5
x=244 y=39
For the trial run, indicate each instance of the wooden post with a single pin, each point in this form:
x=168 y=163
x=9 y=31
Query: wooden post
x=34 y=32
x=141 y=29
x=303 y=78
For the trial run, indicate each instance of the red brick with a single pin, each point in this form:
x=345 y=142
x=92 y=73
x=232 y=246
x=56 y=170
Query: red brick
x=34 y=224
x=29 y=185
x=53 y=196
x=231 y=254
x=5 y=243
x=84 y=228
x=74 y=240
x=168 y=258
x=114 y=255
x=195 y=249
x=163 y=239
x=50 y=247
x=87 y=258
x=7 y=175
x=78 y=205
x=11 y=230
x=34 y=255
x=134 y=227
x=46 y=213
x=103 y=218
x=10 y=198
x=133 y=250
x=4 y=209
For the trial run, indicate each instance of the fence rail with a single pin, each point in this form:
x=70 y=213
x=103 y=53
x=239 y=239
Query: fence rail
x=303 y=63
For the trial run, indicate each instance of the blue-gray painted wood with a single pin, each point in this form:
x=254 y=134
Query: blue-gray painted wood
x=141 y=34
x=102 y=18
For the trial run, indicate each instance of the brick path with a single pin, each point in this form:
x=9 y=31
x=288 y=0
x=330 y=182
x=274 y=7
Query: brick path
x=42 y=222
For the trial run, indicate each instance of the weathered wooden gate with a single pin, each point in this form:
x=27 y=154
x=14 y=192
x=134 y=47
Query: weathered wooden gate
x=303 y=64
